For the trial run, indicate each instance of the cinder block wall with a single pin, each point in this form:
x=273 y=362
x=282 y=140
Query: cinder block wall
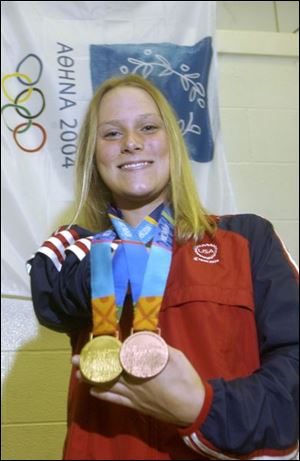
x=259 y=118
x=258 y=91
x=35 y=367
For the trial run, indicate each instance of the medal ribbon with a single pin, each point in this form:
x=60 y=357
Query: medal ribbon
x=155 y=279
x=102 y=285
x=147 y=273
x=131 y=256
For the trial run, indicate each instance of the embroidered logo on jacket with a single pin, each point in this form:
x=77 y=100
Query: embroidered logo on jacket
x=206 y=253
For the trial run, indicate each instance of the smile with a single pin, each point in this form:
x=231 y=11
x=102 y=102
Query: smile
x=135 y=165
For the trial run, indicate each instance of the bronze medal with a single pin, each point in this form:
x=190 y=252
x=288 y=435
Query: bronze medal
x=144 y=354
x=99 y=360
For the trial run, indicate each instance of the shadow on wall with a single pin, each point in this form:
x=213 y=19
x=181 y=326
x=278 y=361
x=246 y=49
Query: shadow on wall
x=34 y=397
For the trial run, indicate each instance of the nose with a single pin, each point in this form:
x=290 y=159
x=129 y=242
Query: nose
x=131 y=144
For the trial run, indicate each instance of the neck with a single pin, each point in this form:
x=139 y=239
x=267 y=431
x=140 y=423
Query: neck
x=135 y=215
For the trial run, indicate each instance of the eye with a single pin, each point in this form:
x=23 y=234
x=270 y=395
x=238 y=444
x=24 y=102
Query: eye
x=111 y=134
x=149 y=128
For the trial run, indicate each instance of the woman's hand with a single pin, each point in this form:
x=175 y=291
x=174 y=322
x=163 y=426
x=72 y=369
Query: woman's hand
x=175 y=395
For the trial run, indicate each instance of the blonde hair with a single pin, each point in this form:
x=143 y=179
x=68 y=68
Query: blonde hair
x=93 y=196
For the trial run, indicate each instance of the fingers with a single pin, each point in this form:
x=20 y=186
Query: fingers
x=121 y=387
x=79 y=375
x=112 y=397
x=76 y=360
x=116 y=387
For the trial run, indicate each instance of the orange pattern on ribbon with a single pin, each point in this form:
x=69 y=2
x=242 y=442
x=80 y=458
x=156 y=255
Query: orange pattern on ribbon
x=146 y=313
x=104 y=315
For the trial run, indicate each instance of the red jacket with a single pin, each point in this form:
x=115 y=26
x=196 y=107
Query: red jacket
x=230 y=306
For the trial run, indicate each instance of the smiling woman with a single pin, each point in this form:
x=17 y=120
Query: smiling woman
x=129 y=120
x=132 y=151
x=183 y=326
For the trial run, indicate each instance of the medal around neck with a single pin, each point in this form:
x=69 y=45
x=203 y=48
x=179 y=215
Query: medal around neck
x=99 y=360
x=144 y=354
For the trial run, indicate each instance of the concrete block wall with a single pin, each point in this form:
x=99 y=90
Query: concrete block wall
x=258 y=94
x=35 y=368
x=259 y=118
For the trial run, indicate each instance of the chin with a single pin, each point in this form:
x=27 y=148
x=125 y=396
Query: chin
x=139 y=193
x=139 y=199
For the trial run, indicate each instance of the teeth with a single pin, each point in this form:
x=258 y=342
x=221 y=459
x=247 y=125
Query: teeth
x=134 y=165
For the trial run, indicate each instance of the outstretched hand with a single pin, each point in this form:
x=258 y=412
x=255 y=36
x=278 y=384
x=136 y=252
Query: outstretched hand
x=175 y=395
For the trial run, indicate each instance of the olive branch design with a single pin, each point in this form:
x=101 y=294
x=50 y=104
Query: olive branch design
x=195 y=89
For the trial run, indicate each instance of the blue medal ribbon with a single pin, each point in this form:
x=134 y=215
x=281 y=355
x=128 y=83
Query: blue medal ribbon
x=132 y=263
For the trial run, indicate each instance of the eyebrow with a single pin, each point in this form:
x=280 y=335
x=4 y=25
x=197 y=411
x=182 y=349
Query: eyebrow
x=119 y=122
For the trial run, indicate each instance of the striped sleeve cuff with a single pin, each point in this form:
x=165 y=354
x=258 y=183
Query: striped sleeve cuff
x=56 y=245
x=195 y=440
x=81 y=247
x=59 y=243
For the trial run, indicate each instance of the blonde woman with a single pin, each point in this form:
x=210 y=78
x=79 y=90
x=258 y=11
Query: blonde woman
x=193 y=317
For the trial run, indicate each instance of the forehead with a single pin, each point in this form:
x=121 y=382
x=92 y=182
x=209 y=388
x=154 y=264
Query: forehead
x=126 y=100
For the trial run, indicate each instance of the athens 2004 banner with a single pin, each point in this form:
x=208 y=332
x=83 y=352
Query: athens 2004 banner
x=54 y=55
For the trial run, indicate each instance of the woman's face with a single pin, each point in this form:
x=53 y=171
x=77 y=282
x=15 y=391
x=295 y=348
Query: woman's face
x=132 y=151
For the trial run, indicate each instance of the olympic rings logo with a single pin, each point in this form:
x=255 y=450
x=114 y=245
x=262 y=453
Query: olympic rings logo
x=22 y=97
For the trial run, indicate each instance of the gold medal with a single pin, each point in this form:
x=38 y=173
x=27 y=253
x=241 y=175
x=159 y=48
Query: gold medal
x=99 y=360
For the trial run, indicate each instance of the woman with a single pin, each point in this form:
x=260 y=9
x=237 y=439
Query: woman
x=220 y=292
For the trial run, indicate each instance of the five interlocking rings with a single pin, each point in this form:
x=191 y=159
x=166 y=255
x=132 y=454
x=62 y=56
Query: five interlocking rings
x=24 y=96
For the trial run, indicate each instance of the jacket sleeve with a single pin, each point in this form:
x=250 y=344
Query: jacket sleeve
x=257 y=417
x=60 y=281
